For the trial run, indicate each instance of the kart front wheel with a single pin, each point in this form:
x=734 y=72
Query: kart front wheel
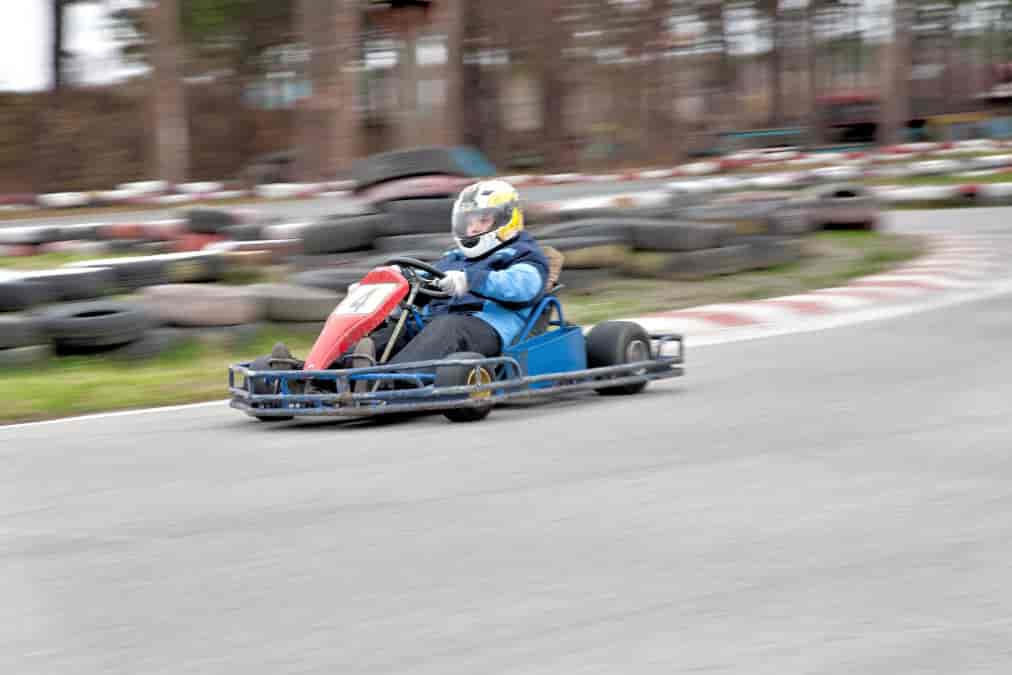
x=456 y=376
x=613 y=343
x=267 y=363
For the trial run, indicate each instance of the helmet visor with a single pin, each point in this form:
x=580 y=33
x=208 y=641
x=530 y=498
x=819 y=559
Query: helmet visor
x=472 y=223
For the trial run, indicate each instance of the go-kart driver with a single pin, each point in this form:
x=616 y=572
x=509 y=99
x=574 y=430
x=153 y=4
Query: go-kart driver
x=496 y=275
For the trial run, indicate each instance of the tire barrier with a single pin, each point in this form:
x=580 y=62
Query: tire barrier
x=210 y=221
x=416 y=216
x=583 y=281
x=155 y=270
x=29 y=236
x=393 y=245
x=339 y=234
x=24 y=357
x=88 y=327
x=152 y=344
x=226 y=336
x=244 y=232
x=19 y=330
x=331 y=279
x=661 y=235
x=587 y=253
x=844 y=207
x=66 y=285
x=388 y=166
x=201 y=305
x=743 y=254
x=16 y=294
x=291 y=303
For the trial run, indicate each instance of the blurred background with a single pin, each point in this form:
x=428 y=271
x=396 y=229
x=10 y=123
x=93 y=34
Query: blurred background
x=98 y=92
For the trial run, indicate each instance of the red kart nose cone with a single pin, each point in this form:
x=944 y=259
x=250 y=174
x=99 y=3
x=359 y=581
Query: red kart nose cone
x=361 y=311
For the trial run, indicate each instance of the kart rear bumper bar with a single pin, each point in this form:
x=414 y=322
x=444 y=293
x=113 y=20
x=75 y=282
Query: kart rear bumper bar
x=424 y=396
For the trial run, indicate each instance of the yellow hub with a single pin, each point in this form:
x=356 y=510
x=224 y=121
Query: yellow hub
x=479 y=376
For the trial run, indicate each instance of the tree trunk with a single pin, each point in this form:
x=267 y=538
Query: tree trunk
x=451 y=21
x=56 y=55
x=812 y=59
x=172 y=148
x=328 y=121
x=547 y=53
x=776 y=67
x=895 y=106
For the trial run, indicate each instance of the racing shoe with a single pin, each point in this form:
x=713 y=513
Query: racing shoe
x=280 y=352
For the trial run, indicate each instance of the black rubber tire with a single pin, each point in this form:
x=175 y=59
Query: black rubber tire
x=414 y=242
x=87 y=327
x=417 y=216
x=133 y=273
x=586 y=253
x=580 y=281
x=195 y=267
x=81 y=232
x=30 y=235
x=336 y=280
x=69 y=285
x=264 y=363
x=209 y=221
x=455 y=376
x=202 y=305
x=24 y=357
x=304 y=263
x=610 y=344
x=661 y=235
x=338 y=234
x=291 y=303
x=770 y=251
x=17 y=294
x=690 y=265
x=150 y=345
x=421 y=161
x=247 y=232
x=228 y=336
x=19 y=330
x=618 y=228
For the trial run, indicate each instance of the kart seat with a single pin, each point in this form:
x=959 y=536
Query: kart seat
x=555 y=261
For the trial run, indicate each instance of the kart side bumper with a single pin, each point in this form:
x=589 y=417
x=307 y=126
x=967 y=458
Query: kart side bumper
x=320 y=393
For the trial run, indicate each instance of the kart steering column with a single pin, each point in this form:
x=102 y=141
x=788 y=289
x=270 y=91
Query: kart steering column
x=408 y=303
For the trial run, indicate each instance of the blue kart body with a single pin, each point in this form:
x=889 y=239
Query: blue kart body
x=548 y=357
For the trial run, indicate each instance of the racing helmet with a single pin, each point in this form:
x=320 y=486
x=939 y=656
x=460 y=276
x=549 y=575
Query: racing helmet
x=486 y=215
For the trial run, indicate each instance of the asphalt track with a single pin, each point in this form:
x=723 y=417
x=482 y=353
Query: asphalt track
x=828 y=502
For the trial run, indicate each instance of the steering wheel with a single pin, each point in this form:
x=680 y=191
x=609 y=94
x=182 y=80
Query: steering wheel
x=424 y=285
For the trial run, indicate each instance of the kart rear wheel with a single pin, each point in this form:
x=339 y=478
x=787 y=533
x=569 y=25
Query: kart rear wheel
x=455 y=376
x=613 y=343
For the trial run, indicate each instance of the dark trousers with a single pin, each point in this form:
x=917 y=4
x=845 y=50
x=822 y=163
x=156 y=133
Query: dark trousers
x=442 y=336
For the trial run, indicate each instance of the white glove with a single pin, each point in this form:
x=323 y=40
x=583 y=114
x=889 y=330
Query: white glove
x=455 y=282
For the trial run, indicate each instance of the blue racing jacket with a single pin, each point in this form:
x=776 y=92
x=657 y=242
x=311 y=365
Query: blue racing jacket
x=504 y=286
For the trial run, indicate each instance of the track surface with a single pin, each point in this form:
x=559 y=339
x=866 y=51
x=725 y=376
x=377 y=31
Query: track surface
x=832 y=502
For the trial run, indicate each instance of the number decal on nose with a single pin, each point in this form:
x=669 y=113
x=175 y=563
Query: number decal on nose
x=365 y=299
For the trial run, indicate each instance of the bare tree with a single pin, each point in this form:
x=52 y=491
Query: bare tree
x=172 y=147
x=327 y=118
x=895 y=99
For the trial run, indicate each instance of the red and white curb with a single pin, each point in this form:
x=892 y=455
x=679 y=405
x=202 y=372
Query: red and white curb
x=954 y=265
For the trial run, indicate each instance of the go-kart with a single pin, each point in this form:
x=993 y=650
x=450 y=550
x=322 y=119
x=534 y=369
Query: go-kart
x=549 y=356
